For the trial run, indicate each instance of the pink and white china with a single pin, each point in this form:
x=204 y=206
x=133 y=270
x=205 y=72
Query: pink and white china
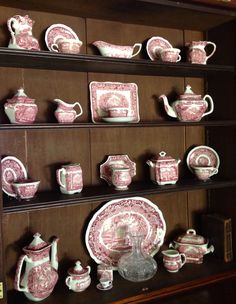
x=194 y=246
x=204 y=173
x=121 y=178
x=69 y=46
x=116 y=161
x=58 y=31
x=202 y=156
x=21 y=109
x=164 y=169
x=25 y=189
x=118 y=119
x=155 y=45
x=119 y=51
x=173 y=260
x=65 y=112
x=104 y=284
x=117 y=112
x=78 y=278
x=40 y=271
x=105 y=272
x=189 y=106
x=105 y=95
x=107 y=234
x=13 y=170
x=20 y=28
x=197 y=53
x=170 y=55
x=70 y=179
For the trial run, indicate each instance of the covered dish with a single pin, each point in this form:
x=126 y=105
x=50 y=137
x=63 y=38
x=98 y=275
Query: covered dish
x=194 y=246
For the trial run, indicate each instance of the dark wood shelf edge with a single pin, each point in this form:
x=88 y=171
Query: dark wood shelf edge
x=35 y=126
x=95 y=193
x=179 y=288
x=93 y=63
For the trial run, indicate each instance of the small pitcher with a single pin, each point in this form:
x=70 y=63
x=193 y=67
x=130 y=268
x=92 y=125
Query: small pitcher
x=69 y=177
x=173 y=260
x=197 y=53
x=65 y=112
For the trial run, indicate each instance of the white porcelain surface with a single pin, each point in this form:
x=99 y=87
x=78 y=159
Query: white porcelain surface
x=107 y=232
x=104 y=95
x=118 y=119
x=155 y=45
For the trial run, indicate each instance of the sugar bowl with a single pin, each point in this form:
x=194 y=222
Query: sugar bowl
x=78 y=278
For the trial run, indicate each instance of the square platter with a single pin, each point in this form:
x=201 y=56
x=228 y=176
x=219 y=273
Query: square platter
x=105 y=95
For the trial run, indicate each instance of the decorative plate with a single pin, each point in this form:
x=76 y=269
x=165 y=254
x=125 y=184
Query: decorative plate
x=107 y=232
x=57 y=31
x=105 y=95
x=202 y=156
x=155 y=45
x=121 y=161
x=12 y=170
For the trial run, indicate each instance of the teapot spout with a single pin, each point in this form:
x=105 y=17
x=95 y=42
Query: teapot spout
x=169 y=110
x=54 y=259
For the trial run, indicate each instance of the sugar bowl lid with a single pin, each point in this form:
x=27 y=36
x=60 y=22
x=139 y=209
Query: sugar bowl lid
x=79 y=270
x=189 y=94
x=190 y=237
x=163 y=158
x=20 y=97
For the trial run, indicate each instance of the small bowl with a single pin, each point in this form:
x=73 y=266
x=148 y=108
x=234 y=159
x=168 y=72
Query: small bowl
x=69 y=46
x=26 y=189
x=117 y=112
x=204 y=173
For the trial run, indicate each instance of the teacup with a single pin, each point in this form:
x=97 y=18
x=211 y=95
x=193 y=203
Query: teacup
x=170 y=55
x=204 y=173
x=117 y=112
x=25 y=189
x=105 y=283
x=70 y=46
x=173 y=260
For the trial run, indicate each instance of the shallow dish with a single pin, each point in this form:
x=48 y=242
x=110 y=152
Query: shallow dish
x=202 y=156
x=105 y=95
x=155 y=45
x=107 y=232
x=12 y=171
x=57 y=31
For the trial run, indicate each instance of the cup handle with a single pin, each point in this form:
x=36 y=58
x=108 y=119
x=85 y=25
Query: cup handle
x=58 y=173
x=213 y=51
x=54 y=47
x=211 y=105
x=179 y=58
x=139 y=45
x=215 y=171
x=183 y=259
x=81 y=110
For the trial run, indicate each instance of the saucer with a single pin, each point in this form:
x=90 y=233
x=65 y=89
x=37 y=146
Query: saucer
x=155 y=45
x=56 y=31
x=119 y=119
x=202 y=156
x=99 y=286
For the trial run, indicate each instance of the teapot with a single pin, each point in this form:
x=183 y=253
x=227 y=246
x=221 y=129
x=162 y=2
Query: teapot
x=21 y=109
x=65 y=112
x=78 y=278
x=20 y=28
x=40 y=274
x=189 y=106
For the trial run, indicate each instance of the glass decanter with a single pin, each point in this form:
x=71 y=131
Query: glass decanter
x=137 y=266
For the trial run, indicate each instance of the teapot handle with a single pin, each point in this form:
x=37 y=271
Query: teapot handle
x=211 y=104
x=139 y=46
x=81 y=110
x=213 y=51
x=58 y=174
x=18 y=273
x=10 y=27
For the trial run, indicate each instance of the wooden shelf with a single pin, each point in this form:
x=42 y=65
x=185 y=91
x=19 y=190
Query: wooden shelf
x=162 y=285
x=104 y=192
x=91 y=63
x=38 y=126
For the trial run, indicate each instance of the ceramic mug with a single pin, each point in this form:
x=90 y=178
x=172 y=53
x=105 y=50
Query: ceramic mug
x=173 y=260
x=204 y=173
x=70 y=46
x=170 y=55
x=69 y=177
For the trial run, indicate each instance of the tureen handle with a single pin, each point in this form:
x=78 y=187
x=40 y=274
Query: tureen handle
x=191 y=231
x=211 y=104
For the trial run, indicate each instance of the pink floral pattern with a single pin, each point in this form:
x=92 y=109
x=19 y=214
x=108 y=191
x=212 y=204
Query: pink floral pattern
x=155 y=45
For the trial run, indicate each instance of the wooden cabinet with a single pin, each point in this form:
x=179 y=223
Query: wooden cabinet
x=45 y=145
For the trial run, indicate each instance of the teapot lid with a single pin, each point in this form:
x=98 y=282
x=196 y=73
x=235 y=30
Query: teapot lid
x=78 y=269
x=190 y=237
x=20 y=97
x=189 y=94
x=37 y=243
